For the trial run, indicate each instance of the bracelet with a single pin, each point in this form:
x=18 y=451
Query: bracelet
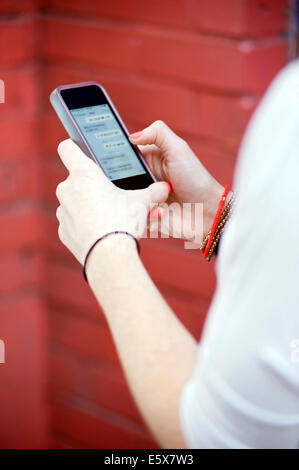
x=223 y=219
x=102 y=238
x=216 y=221
x=220 y=228
x=210 y=243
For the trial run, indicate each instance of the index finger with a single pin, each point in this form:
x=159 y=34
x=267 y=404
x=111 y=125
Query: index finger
x=159 y=134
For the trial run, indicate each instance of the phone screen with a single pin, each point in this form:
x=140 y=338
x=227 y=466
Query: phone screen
x=105 y=136
x=108 y=141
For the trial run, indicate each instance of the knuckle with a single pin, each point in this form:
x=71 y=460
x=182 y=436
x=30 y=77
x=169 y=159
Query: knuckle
x=58 y=213
x=182 y=143
x=160 y=124
x=62 y=145
x=61 y=190
x=62 y=235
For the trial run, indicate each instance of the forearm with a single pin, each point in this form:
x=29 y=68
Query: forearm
x=157 y=352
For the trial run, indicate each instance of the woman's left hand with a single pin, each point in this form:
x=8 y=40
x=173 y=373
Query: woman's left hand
x=91 y=205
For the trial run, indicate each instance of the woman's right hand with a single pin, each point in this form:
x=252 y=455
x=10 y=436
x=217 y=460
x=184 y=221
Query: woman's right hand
x=171 y=159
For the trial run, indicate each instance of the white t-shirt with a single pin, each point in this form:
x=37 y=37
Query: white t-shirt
x=244 y=392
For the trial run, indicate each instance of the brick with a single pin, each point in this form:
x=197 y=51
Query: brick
x=213 y=62
x=53 y=133
x=170 y=265
x=21 y=270
x=65 y=285
x=19 y=179
x=58 y=441
x=22 y=91
x=23 y=329
x=26 y=6
x=22 y=326
x=18 y=41
x=61 y=41
x=88 y=338
x=20 y=227
x=98 y=382
x=169 y=12
x=217 y=63
x=94 y=427
x=191 y=311
x=26 y=143
x=240 y=18
x=55 y=173
x=219 y=159
x=58 y=255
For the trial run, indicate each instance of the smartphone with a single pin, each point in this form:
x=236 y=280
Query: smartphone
x=91 y=120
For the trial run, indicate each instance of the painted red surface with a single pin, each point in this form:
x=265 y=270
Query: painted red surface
x=193 y=63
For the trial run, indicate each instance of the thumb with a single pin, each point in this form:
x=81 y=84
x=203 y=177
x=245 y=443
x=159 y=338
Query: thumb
x=75 y=160
x=158 y=192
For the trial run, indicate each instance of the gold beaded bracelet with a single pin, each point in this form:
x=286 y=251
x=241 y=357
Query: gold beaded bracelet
x=219 y=230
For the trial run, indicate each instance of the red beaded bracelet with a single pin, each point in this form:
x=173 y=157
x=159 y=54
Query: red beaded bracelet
x=216 y=221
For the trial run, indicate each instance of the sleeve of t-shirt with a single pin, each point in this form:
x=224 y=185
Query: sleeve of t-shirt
x=244 y=392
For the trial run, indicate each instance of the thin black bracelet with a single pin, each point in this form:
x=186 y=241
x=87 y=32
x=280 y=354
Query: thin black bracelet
x=102 y=238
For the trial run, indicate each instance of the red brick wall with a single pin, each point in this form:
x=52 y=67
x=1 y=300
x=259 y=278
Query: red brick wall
x=23 y=318
x=196 y=64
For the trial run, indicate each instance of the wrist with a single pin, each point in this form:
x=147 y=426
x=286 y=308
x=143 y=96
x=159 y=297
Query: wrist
x=110 y=254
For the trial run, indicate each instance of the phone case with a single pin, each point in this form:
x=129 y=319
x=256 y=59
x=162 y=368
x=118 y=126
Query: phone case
x=72 y=127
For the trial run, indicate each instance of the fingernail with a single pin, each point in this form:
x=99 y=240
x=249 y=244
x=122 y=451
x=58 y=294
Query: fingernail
x=135 y=135
x=169 y=187
x=157 y=212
